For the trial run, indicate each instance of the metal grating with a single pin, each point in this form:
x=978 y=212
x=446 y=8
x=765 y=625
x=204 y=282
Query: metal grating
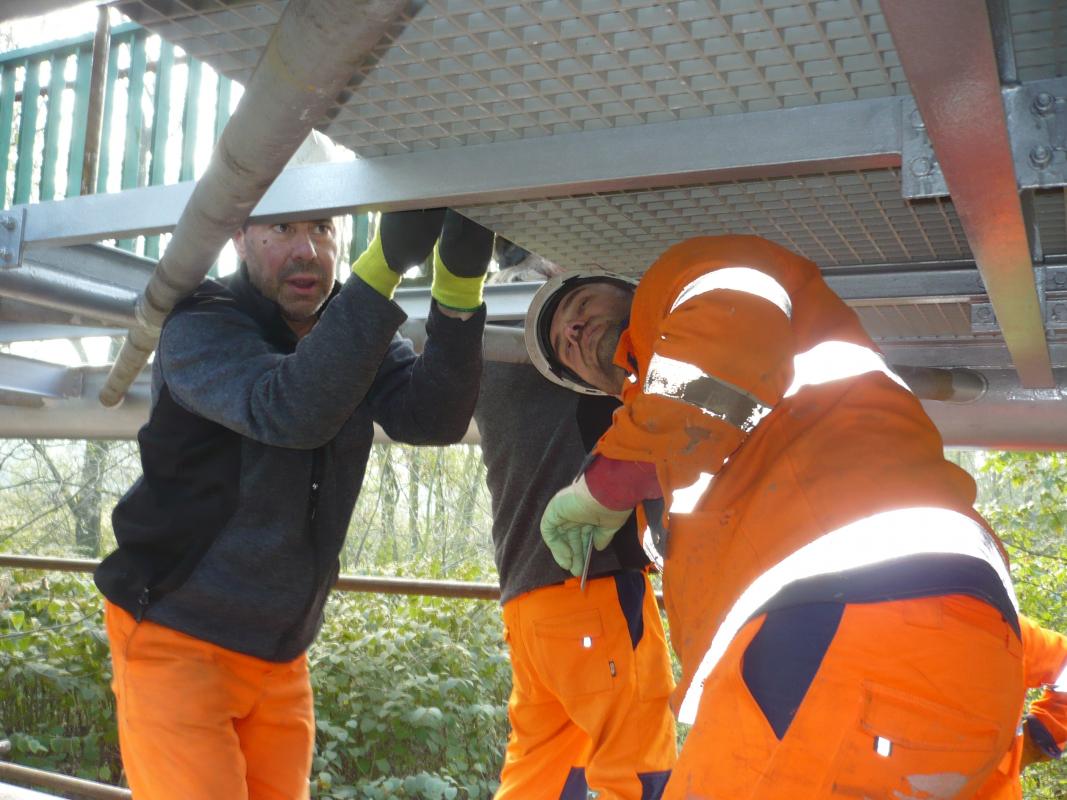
x=840 y=219
x=1051 y=215
x=1039 y=35
x=924 y=321
x=474 y=71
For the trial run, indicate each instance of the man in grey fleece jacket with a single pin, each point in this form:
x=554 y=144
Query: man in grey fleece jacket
x=590 y=668
x=266 y=385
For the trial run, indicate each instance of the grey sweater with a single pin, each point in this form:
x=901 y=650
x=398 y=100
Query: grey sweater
x=532 y=447
x=304 y=415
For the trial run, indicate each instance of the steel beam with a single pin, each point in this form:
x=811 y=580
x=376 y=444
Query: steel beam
x=946 y=50
x=38 y=332
x=1008 y=417
x=29 y=378
x=313 y=53
x=861 y=134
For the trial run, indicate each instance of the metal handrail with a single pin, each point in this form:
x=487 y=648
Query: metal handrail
x=345 y=583
x=62 y=783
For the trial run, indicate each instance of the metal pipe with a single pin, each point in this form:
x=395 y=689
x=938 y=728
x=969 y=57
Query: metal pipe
x=499 y=343
x=62 y=783
x=956 y=385
x=345 y=583
x=65 y=291
x=94 y=113
x=313 y=53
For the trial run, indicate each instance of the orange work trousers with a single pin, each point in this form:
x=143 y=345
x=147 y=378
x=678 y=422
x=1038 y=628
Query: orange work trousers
x=913 y=700
x=591 y=678
x=200 y=722
x=1005 y=783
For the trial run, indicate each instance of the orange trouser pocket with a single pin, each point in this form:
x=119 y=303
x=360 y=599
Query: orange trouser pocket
x=588 y=706
x=915 y=699
x=200 y=722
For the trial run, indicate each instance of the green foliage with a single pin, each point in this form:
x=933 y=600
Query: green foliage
x=412 y=701
x=1024 y=497
x=55 y=704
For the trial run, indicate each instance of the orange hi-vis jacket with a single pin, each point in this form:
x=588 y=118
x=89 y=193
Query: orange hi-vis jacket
x=787 y=450
x=1044 y=665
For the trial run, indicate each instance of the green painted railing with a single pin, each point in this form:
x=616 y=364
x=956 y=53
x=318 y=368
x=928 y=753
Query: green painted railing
x=44 y=97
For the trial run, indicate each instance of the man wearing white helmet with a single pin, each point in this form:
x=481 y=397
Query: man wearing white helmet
x=825 y=572
x=590 y=670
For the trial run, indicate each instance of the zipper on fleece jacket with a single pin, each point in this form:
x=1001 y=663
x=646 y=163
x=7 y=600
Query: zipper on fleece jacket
x=313 y=507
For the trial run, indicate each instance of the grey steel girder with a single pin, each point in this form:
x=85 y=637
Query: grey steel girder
x=29 y=378
x=947 y=52
x=859 y=134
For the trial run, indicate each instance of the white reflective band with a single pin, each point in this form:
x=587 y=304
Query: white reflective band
x=684 y=500
x=835 y=361
x=739 y=279
x=678 y=380
x=649 y=546
x=865 y=542
x=1061 y=682
x=587 y=641
x=883 y=746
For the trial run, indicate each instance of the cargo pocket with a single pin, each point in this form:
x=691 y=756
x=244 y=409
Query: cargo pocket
x=909 y=747
x=573 y=655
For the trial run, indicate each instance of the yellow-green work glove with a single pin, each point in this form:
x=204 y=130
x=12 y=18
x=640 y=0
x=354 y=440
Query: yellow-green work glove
x=571 y=517
x=460 y=262
x=404 y=240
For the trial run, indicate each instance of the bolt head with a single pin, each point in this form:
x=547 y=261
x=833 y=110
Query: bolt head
x=5 y=254
x=1041 y=156
x=921 y=166
x=916 y=120
x=8 y=222
x=985 y=314
x=1044 y=102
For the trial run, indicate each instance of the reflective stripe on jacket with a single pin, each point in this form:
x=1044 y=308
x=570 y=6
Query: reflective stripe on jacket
x=772 y=420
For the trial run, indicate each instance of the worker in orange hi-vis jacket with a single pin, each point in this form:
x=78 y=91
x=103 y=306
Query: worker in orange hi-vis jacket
x=844 y=619
x=1043 y=732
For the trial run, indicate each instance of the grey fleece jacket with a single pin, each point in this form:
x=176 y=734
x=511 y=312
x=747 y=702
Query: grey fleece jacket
x=305 y=421
x=532 y=448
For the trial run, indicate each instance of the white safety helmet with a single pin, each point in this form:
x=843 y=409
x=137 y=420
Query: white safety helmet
x=539 y=321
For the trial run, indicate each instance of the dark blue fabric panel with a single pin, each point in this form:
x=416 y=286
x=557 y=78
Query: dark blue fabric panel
x=1041 y=736
x=905 y=578
x=575 y=787
x=630 y=586
x=653 y=784
x=782 y=659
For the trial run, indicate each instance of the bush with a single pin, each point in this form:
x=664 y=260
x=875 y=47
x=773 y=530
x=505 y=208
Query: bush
x=412 y=699
x=410 y=693
x=56 y=706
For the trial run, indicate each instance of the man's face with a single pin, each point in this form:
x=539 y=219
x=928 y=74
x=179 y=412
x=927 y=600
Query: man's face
x=291 y=263
x=585 y=331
